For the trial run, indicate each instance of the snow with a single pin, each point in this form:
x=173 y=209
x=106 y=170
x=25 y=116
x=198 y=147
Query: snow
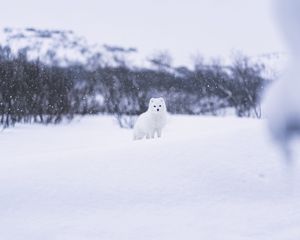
x=68 y=48
x=206 y=178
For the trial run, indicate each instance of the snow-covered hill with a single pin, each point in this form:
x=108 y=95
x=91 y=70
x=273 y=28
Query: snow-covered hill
x=66 y=48
x=207 y=178
x=275 y=64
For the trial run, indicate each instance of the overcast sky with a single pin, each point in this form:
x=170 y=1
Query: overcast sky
x=212 y=28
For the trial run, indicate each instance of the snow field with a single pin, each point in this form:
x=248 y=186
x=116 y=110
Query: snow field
x=206 y=178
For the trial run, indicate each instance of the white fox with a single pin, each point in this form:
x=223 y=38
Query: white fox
x=152 y=121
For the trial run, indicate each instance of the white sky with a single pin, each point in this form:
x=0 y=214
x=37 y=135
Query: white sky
x=212 y=28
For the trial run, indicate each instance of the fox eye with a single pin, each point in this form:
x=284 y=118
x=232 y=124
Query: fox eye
x=154 y=106
x=159 y=105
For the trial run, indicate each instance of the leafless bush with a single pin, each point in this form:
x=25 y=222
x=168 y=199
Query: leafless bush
x=126 y=121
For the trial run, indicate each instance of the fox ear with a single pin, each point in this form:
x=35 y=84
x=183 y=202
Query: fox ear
x=151 y=100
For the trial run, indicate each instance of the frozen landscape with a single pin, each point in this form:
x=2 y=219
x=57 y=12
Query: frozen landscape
x=206 y=178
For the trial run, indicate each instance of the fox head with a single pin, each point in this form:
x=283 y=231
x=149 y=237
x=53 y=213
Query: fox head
x=157 y=105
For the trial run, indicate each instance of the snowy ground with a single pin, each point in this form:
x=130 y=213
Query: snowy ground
x=207 y=178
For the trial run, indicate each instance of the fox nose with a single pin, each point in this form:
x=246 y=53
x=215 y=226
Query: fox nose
x=157 y=110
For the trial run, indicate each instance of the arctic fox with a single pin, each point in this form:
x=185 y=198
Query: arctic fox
x=152 y=121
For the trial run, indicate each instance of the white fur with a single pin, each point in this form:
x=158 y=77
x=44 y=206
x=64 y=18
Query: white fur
x=152 y=121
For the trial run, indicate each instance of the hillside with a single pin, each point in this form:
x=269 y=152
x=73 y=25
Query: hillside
x=65 y=48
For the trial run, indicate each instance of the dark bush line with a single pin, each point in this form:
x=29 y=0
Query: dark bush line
x=31 y=91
